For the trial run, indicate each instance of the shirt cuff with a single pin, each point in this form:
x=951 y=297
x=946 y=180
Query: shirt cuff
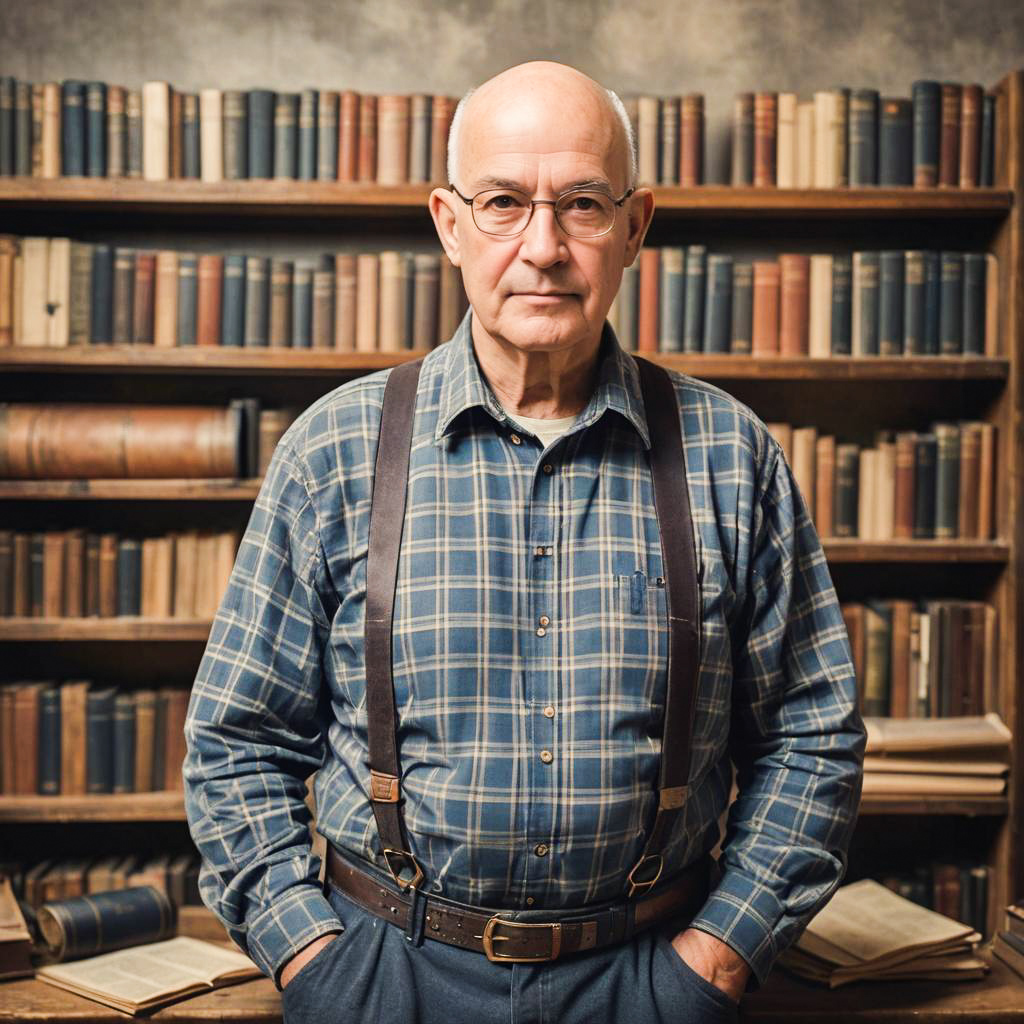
x=292 y=923
x=745 y=916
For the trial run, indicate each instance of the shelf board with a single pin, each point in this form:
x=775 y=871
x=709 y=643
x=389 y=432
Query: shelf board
x=123 y=627
x=841 y=549
x=342 y=199
x=213 y=489
x=905 y=804
x=164 y=806
x=298 y=362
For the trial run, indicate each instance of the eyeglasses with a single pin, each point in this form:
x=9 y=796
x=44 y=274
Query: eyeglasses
x=582 y=213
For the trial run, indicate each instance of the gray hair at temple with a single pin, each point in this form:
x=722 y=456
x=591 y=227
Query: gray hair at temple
x=617 y=106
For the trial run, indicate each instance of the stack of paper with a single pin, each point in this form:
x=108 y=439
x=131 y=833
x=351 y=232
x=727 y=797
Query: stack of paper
x=867 y=932
x=967 y=756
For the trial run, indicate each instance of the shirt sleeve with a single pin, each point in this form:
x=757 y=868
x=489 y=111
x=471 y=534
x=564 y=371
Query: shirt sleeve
x=797 y=738
x=253 y=735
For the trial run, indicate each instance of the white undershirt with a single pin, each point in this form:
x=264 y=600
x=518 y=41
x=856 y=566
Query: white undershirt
x=547 y=431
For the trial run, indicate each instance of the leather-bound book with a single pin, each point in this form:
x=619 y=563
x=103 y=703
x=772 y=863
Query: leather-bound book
x=628 y=300
x=156 y=131
x=970 y=479
x=26 y=738
x=862 y=140
x=151 y=871
x=281 y=274
x=392 y=139
x=890 y=303
x=367 y=287
x=73 y=696
x=124 y=743
x=691 y=140
x=913 y=302
x=974 y=658
x=974 y=303
x=718 y=303
x=72 y=128
x=947 y=480
x=742 y=308
x=117 y=132
x=951 y=303
x=8 y=251
x=49 y=740
x=932 y=295
x=647 y=307
x=895 y=142
x=145 y=713
x=50 y=131
x=54 y=543
x=176 y=152
x=327 y=136
x=108 y=575
x=696 y=285
x=232 y=328
x=426 y=272
x=99 y=740
x=348 y=136
x=878 y=648
x=442 y=110
x=23 y=125
x=847 y=490
x=96 y=129
x=74 y=573
x=188 y=291
x=765 y=319
x=786 y=147
x=101 y=329
x=208 y=311
x=302 y=306
x=419 y=138
x=805 y=441
x=6 y=573
x=165 y=300
x=765 y=138
x=284 y=141
x=133 y=119
x=842 y=303
x=949 y=136
x=129 y=576
x=825 y=480
x=92 y=574
x=80 y=293
x=257 y=301
x=367 y=162
x=986 y=156
x=177 y=706
x=394 y=311
x=236 y=134
x=926 y=97
x=993 y=346
x=190 y=153
x=648 y=124
x=668 y=155
x=926 y=453
x=99 y=875
x=143 y=295
x=186 y=565
x=157 y=577
x=307 y=135
x=105 y=921
x=58 y=293
x=987 y=483
x=211 y=135
x=742 y=172
x=8 y=754
x=794 y=297
x=21 y=585
x=123 y=299
x=819 y=305
x=323 y=302
x=671 y=298
x=903 y=486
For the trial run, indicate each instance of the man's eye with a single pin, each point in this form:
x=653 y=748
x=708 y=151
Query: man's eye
x=503 y=202
x=585 y=204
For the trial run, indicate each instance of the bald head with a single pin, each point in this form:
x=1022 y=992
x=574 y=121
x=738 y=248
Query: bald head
x=518 y=98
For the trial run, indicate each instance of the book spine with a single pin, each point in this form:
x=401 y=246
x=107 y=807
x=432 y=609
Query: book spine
x=932 y=302
x=236 y=134
x=691 y=141
x=117 y=132
x=877 y=691
x=743 y=139
x=24 y=126
x=925 y=455
x=302 y=307
x=693 y=301
x=947 y=480
x=190 y=151
x=671 y=297
x=323 y=302
x=419 y=138
x=267 y=114
x=123 y=731
x=72 y=128
x=794 y=303
x=890 y=303
x=367 y=159
x=49 y=741
x=949 y=135
x=974 y=303
x=7 y=145
x=951 y=304
x=742 y=318
x=847 y=471
x=327 y=137
x=232 y=330
x=971 y=102
x=903 y=499
x=188 y=288
x=648 y=119
x=281 y=274
x=628 y=299
x=865 y=304
x=913 y=302
x=133 y=122
x=129 y=576
x=668 y=168
x=257 y=301
x=425 y=274
x=842 y=302
x=165 y=299
x=102 y=304
x=99 y=741
x=863 y=137
x=986 y=145
x=765 y=318
x=925 y=98
x=307 y=134
x=392 y=140
x=176 y=161
x=348 y=136
x=96 y=129
x=895 y=150
x=49 y=148
x=211 y=135
x=718 y=303
x=765 y=138
x=156 y=131
x=208 y=311
x=123 y=300
x=647 y=300
x=442 y=110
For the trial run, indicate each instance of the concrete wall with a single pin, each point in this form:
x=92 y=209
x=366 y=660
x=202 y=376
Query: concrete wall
x=718 y=47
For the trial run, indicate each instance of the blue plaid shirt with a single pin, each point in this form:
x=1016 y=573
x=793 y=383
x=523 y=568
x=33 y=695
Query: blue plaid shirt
x=529 y=666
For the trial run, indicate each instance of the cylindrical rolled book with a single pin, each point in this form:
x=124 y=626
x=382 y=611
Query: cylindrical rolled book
x=106 y=921
x=40 y=442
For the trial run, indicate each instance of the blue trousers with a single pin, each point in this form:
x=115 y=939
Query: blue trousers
x=370 y=974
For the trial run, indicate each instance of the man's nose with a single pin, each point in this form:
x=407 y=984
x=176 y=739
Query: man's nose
x=543 y=242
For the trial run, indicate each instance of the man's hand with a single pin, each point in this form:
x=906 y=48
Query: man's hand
x=303 y=957
x=713 y=960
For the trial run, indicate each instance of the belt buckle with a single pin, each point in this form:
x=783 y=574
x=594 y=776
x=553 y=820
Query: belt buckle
x=489 y=938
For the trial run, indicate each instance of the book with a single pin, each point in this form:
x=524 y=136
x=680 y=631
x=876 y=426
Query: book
x=141 y=978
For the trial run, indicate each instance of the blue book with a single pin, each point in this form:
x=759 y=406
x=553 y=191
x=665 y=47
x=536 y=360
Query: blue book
x=307 y=134
x=286 y=135
x=302 y=306
x=947 y=480
x=261 y=116
x=72 y=127
x=890 y=303
x=188 y=297
x=671 y=295
x=863 y=137
x=133 y=121
x=842 y=303
x=96 y=129
x=49 y=740
x=988 y=135
x=927 y=101
x=8 y=86
x=327 y=136
x=932 y=287
x=101 y=326
x=257 y=300
x=124 y=743
x=99 y=740
x=129 y=576
x=742 y=317
x=951 y=304
x=925 y=454
x=23 y=128
x=190 y=135
x=895 y=150
x=718 y=303
x=236 y=134
x=974 y=304
x=693 y=301
x=232 y=309
x=913 y=302
x=864 y=335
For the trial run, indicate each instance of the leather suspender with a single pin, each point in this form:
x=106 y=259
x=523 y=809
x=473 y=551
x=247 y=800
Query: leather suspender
x=387 y=517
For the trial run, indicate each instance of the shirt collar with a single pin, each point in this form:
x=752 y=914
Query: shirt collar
x=463 y=386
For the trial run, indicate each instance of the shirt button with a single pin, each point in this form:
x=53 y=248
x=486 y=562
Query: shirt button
x=546 y=756
x=544 y=620
x=539 y=550
x=541 y=850
x=549 y=712
x=515 y=439
x=542 y=631
x=548 y=468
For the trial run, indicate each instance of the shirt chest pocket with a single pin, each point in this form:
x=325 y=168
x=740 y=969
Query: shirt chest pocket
x=639 y=594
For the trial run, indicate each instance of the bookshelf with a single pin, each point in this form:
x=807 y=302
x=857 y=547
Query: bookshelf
x=860 y=394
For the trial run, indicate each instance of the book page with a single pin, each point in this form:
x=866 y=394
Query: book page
x=914 y=784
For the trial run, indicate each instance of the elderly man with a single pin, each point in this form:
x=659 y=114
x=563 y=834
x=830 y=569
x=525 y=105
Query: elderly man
x=524 y=621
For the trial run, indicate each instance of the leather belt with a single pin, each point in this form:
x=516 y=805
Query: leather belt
x=512 y=936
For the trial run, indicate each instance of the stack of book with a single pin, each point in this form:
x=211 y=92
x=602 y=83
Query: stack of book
x=57 y=292
x=1008 y=944
x=99 y=130
x=924 y=659
x=962 y=756
x=868 y=933
x=912 y=302
x=943 y=135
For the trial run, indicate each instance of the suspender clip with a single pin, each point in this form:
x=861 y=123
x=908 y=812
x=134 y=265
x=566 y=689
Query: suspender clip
x=639 y=887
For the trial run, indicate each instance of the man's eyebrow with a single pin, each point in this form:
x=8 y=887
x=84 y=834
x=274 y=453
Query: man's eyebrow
x=494 y=182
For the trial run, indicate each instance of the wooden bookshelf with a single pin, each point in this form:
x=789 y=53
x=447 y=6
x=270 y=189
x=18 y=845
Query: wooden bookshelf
x=958 y=387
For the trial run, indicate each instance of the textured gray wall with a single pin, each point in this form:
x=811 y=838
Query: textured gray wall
x=717 y=47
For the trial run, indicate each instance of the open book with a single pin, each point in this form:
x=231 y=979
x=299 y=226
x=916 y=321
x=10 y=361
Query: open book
x=144 y=977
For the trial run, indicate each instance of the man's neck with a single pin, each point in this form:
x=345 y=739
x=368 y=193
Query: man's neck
x=541 y=385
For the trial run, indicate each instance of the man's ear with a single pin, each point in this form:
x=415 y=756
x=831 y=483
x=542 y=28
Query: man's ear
x=639 y=211
x=442 y=209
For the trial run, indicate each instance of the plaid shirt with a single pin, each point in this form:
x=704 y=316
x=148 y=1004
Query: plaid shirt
x=529 y=666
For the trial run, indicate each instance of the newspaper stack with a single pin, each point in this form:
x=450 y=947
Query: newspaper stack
x=867 y=932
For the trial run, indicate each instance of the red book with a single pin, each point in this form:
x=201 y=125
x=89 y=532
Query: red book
x=348 y=136
x=367 y=138
x=211 y=275
x=442 y=109
x=794 y=276
x=647 y=311
x=691 y=141
x=765 y=133
x=970 y=135
x=949 y=136
x=765 y=331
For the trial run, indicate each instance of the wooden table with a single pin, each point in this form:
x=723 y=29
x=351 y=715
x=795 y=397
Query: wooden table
x=997 y=999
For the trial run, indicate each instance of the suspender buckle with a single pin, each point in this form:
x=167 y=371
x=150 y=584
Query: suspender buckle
x=410 y=864
x=641 y=886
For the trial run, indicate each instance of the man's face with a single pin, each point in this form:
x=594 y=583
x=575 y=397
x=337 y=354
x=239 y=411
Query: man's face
x=542 y=290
